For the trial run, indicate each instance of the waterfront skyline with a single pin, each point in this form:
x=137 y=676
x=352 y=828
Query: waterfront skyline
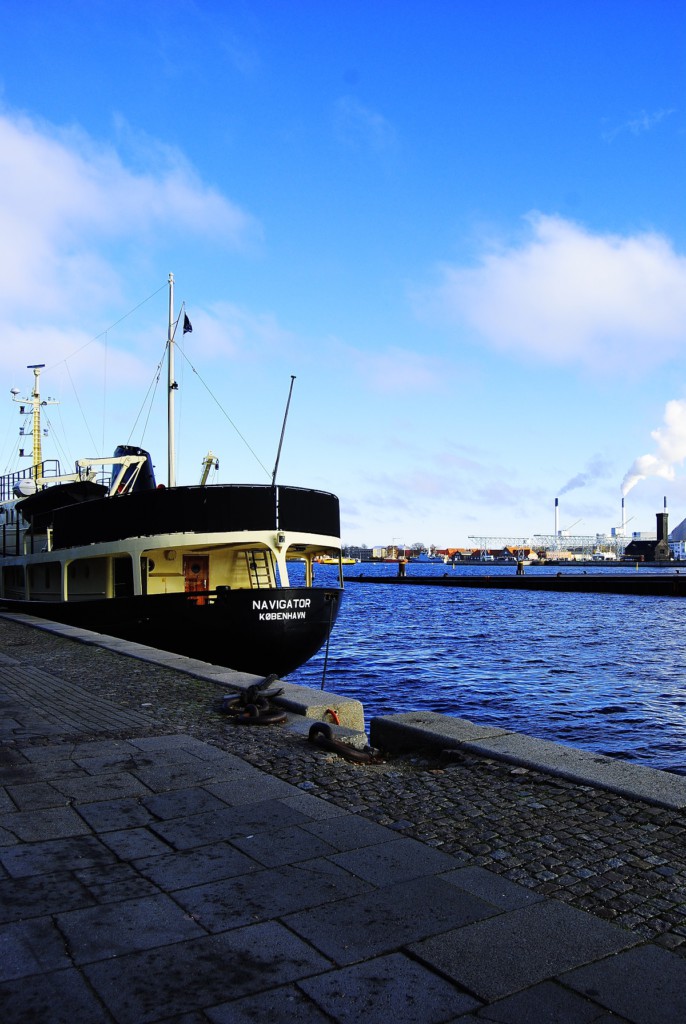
x=461 y=227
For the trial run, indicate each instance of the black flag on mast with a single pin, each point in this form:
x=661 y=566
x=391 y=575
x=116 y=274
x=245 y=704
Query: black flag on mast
x=187 y=325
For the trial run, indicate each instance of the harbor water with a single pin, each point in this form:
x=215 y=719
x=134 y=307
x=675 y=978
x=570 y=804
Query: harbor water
x=601 y=672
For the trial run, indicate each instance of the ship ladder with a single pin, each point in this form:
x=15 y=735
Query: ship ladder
x=259 y=569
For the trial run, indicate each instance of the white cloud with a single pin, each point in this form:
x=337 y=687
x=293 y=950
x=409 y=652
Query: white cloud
x=63 y=198
x=671 y=448
x=565 y=295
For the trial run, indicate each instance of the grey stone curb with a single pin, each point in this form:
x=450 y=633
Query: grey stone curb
x=398 y=733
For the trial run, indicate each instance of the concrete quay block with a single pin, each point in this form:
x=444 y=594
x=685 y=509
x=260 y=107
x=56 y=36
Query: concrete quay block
x=636 y=781
x=301 y=726
x=412 y=731
x=399 y=734
x=313 y=705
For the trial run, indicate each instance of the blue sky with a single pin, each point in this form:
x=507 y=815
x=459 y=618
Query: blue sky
x=460 y=225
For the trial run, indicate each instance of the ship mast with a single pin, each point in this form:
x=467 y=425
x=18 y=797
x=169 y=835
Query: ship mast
x=35 y=398
x=172 y=386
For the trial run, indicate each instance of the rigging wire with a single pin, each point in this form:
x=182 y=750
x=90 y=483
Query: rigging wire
x=222 y=409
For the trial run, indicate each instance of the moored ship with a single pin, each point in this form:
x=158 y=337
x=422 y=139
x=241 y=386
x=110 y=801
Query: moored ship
x=220 y=572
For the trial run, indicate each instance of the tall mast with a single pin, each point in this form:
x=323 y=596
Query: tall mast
x=171 y=388
x=35 y=398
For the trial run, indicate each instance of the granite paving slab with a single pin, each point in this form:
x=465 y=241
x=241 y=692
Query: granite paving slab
x=283 y=846
x=494 y=888
x=60 y=997
x=31 y=947
x=98 y=933
x=23 y=898
x=33 y=796
x=196 y=867
x=350 y=832
x=386 y=989
x=267 y=894
x=286 y=1003
x=248 y=788
x=180 y=803
x=201 y=973
x=550 y=1002
x=515 y=950
x=386 y=919
x=45 y=823
x=211 y=826
x=396 y=861
x=132 y=843
x=30 y=859
x=646 y=984
x=101 y=787
x=116 y=882
x=110 y=815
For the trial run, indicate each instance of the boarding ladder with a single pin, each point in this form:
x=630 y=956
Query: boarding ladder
x=259 y=569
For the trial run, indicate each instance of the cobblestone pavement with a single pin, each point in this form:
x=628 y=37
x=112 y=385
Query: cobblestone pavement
x=618 y=859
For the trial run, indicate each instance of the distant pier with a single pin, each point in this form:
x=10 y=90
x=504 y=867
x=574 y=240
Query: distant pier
x=669 y=584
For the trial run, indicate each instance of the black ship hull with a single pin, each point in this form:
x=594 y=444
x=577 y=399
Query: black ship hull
x=254 y=631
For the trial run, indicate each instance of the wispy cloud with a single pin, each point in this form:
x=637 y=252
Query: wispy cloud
x=639 y=124
x=566 y=295
x=395 y=370
x=358 y=126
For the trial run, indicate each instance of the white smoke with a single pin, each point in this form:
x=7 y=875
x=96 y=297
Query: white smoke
x=671 y=448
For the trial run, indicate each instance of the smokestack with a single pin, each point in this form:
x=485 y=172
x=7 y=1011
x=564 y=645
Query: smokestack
x=557 y=516
x=662 y=531
x=623 y=519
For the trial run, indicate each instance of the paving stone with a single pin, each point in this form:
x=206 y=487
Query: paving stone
x=60 y=997
x=183 y=802
x=283 y=846
x=110 y=815
x=201 y=829
x=249 y=788
x=97 y=933
x=515 y=950
x=22 y=898
x=280 y=1004
x=645 y=984
x=48 y=823
x=55 y=855
x=394 y=861
x=267 y=894
x=132 y=843
x=348 y=832
x=493 y=888
x=111 y=786
x=388 y=988
x=312 y=806
x=551 y=1003
x=380 y=921
x=196 y=867
x=31 y=947
x=157 y=984
x=34 y=796
x=116 y=882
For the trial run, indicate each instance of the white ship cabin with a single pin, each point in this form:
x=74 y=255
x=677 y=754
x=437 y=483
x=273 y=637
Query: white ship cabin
x=71 y=538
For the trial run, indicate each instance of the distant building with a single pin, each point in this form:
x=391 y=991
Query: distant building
x=651 y=550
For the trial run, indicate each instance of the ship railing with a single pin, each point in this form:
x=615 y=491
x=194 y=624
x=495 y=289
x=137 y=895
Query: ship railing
x=44 y=471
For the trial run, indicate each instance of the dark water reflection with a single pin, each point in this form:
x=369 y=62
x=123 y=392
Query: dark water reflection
x=605 y=673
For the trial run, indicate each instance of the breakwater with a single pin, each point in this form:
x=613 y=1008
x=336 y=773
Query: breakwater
x=667 y=584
